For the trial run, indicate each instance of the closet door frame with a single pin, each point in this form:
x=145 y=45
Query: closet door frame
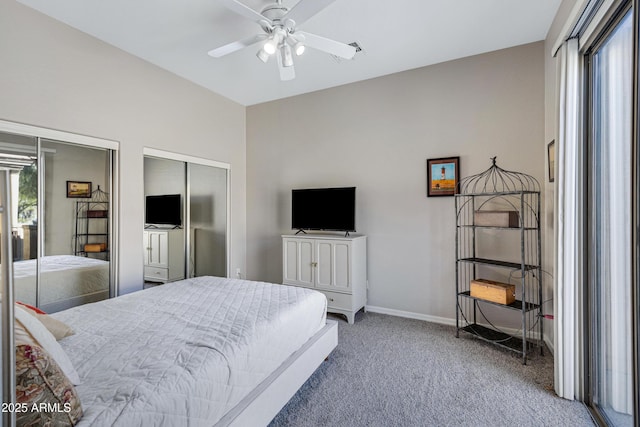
x=170 y=155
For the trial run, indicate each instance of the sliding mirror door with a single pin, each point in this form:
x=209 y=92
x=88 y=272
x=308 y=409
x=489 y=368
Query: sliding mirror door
x=76 y=250
x=61 y=215
x=165 y=190
x=194 y=241
x=208 y=221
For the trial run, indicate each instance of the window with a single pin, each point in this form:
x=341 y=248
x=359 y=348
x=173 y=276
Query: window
x=609 y=314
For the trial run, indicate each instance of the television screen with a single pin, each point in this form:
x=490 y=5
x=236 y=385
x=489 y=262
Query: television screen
x=331 y=209
x=164 y=209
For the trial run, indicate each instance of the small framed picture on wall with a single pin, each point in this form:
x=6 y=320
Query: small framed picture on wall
x=551 y=153
x=443 y=175
x=78 y=189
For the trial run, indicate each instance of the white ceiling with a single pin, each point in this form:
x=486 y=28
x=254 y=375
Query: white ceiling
x=395 y=35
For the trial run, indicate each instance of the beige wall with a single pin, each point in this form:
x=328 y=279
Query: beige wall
x=57 y=77
x=376 y=135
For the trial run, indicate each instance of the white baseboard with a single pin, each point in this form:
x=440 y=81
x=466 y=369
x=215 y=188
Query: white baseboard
x=411 y=315
x=444 y=321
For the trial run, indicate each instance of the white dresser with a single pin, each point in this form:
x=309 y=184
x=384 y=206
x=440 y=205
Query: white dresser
x=331 y=264
x=164 y=255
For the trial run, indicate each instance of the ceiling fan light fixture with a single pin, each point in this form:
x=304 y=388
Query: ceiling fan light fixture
x=270 y=46
x=263 y=55
x=287 y=58
x=274 y=42
x=297 y=41
x=299 y=48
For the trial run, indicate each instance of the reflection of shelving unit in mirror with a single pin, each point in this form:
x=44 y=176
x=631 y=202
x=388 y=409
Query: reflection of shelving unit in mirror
x=498 y=245
x=91 y=238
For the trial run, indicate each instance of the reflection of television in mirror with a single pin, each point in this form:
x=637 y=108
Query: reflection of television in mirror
x=324 y=209
x=163 y=210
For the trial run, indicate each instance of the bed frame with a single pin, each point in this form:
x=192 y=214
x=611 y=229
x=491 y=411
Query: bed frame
x=64 y=304
x=264 y=402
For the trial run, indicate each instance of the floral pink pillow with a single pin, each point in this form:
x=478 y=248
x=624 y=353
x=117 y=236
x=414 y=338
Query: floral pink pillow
x=45 y=396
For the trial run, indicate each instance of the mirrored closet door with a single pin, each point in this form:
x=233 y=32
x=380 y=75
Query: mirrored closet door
x=186 y=217
x=208 y=220
x=61 y=233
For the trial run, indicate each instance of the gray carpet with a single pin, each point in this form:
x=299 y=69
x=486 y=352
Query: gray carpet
x=390 y=371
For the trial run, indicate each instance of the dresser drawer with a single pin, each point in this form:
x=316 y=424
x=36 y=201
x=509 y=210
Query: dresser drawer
x=156 y=273
x=338 y=300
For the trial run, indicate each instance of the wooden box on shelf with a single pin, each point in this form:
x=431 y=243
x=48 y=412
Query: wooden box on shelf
x=95 y=247
x=96 y=213
x=501 y=293
x=496 y=219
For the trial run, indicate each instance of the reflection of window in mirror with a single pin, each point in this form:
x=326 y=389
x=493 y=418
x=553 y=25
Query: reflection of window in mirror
x=18 y=155
x=25 y=213
x=28 y=194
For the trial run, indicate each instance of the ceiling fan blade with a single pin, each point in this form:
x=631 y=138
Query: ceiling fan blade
x=235 y=46
x=305 y=9
x=245 y=11
x=327 y=45
x=286 y=73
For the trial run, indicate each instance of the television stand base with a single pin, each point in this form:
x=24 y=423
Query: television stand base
x=301 y=231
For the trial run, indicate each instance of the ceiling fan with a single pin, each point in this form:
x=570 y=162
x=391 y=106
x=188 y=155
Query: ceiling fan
x=281 y=35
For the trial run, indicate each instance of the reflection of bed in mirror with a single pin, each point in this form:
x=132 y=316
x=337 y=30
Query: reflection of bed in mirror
x=65 y=281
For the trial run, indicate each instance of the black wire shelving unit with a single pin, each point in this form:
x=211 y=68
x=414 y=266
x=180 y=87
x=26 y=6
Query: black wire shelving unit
x=91 y=238
x=505 y=253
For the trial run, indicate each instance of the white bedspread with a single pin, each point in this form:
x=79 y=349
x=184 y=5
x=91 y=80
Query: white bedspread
x=184 y=353
x=61 y=277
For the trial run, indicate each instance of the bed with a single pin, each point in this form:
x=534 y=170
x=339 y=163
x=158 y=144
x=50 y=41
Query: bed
x=200 y=351
x=65 y=281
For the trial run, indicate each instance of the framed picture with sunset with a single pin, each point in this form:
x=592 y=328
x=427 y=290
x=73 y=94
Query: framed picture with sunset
x=442 y=176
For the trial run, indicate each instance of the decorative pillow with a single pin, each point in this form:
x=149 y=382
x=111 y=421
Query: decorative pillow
x=42 y=389
x=41 y=336
x=30 y=307
x=58 y=328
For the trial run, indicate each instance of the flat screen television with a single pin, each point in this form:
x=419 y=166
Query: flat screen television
x=163 y=210
x=331 y=209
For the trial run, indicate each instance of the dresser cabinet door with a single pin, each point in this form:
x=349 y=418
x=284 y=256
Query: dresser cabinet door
x=298 y=268
x=333 y=265
x=157 y=249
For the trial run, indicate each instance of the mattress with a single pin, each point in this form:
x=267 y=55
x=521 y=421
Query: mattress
x=185 y=352
x=62 y=277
